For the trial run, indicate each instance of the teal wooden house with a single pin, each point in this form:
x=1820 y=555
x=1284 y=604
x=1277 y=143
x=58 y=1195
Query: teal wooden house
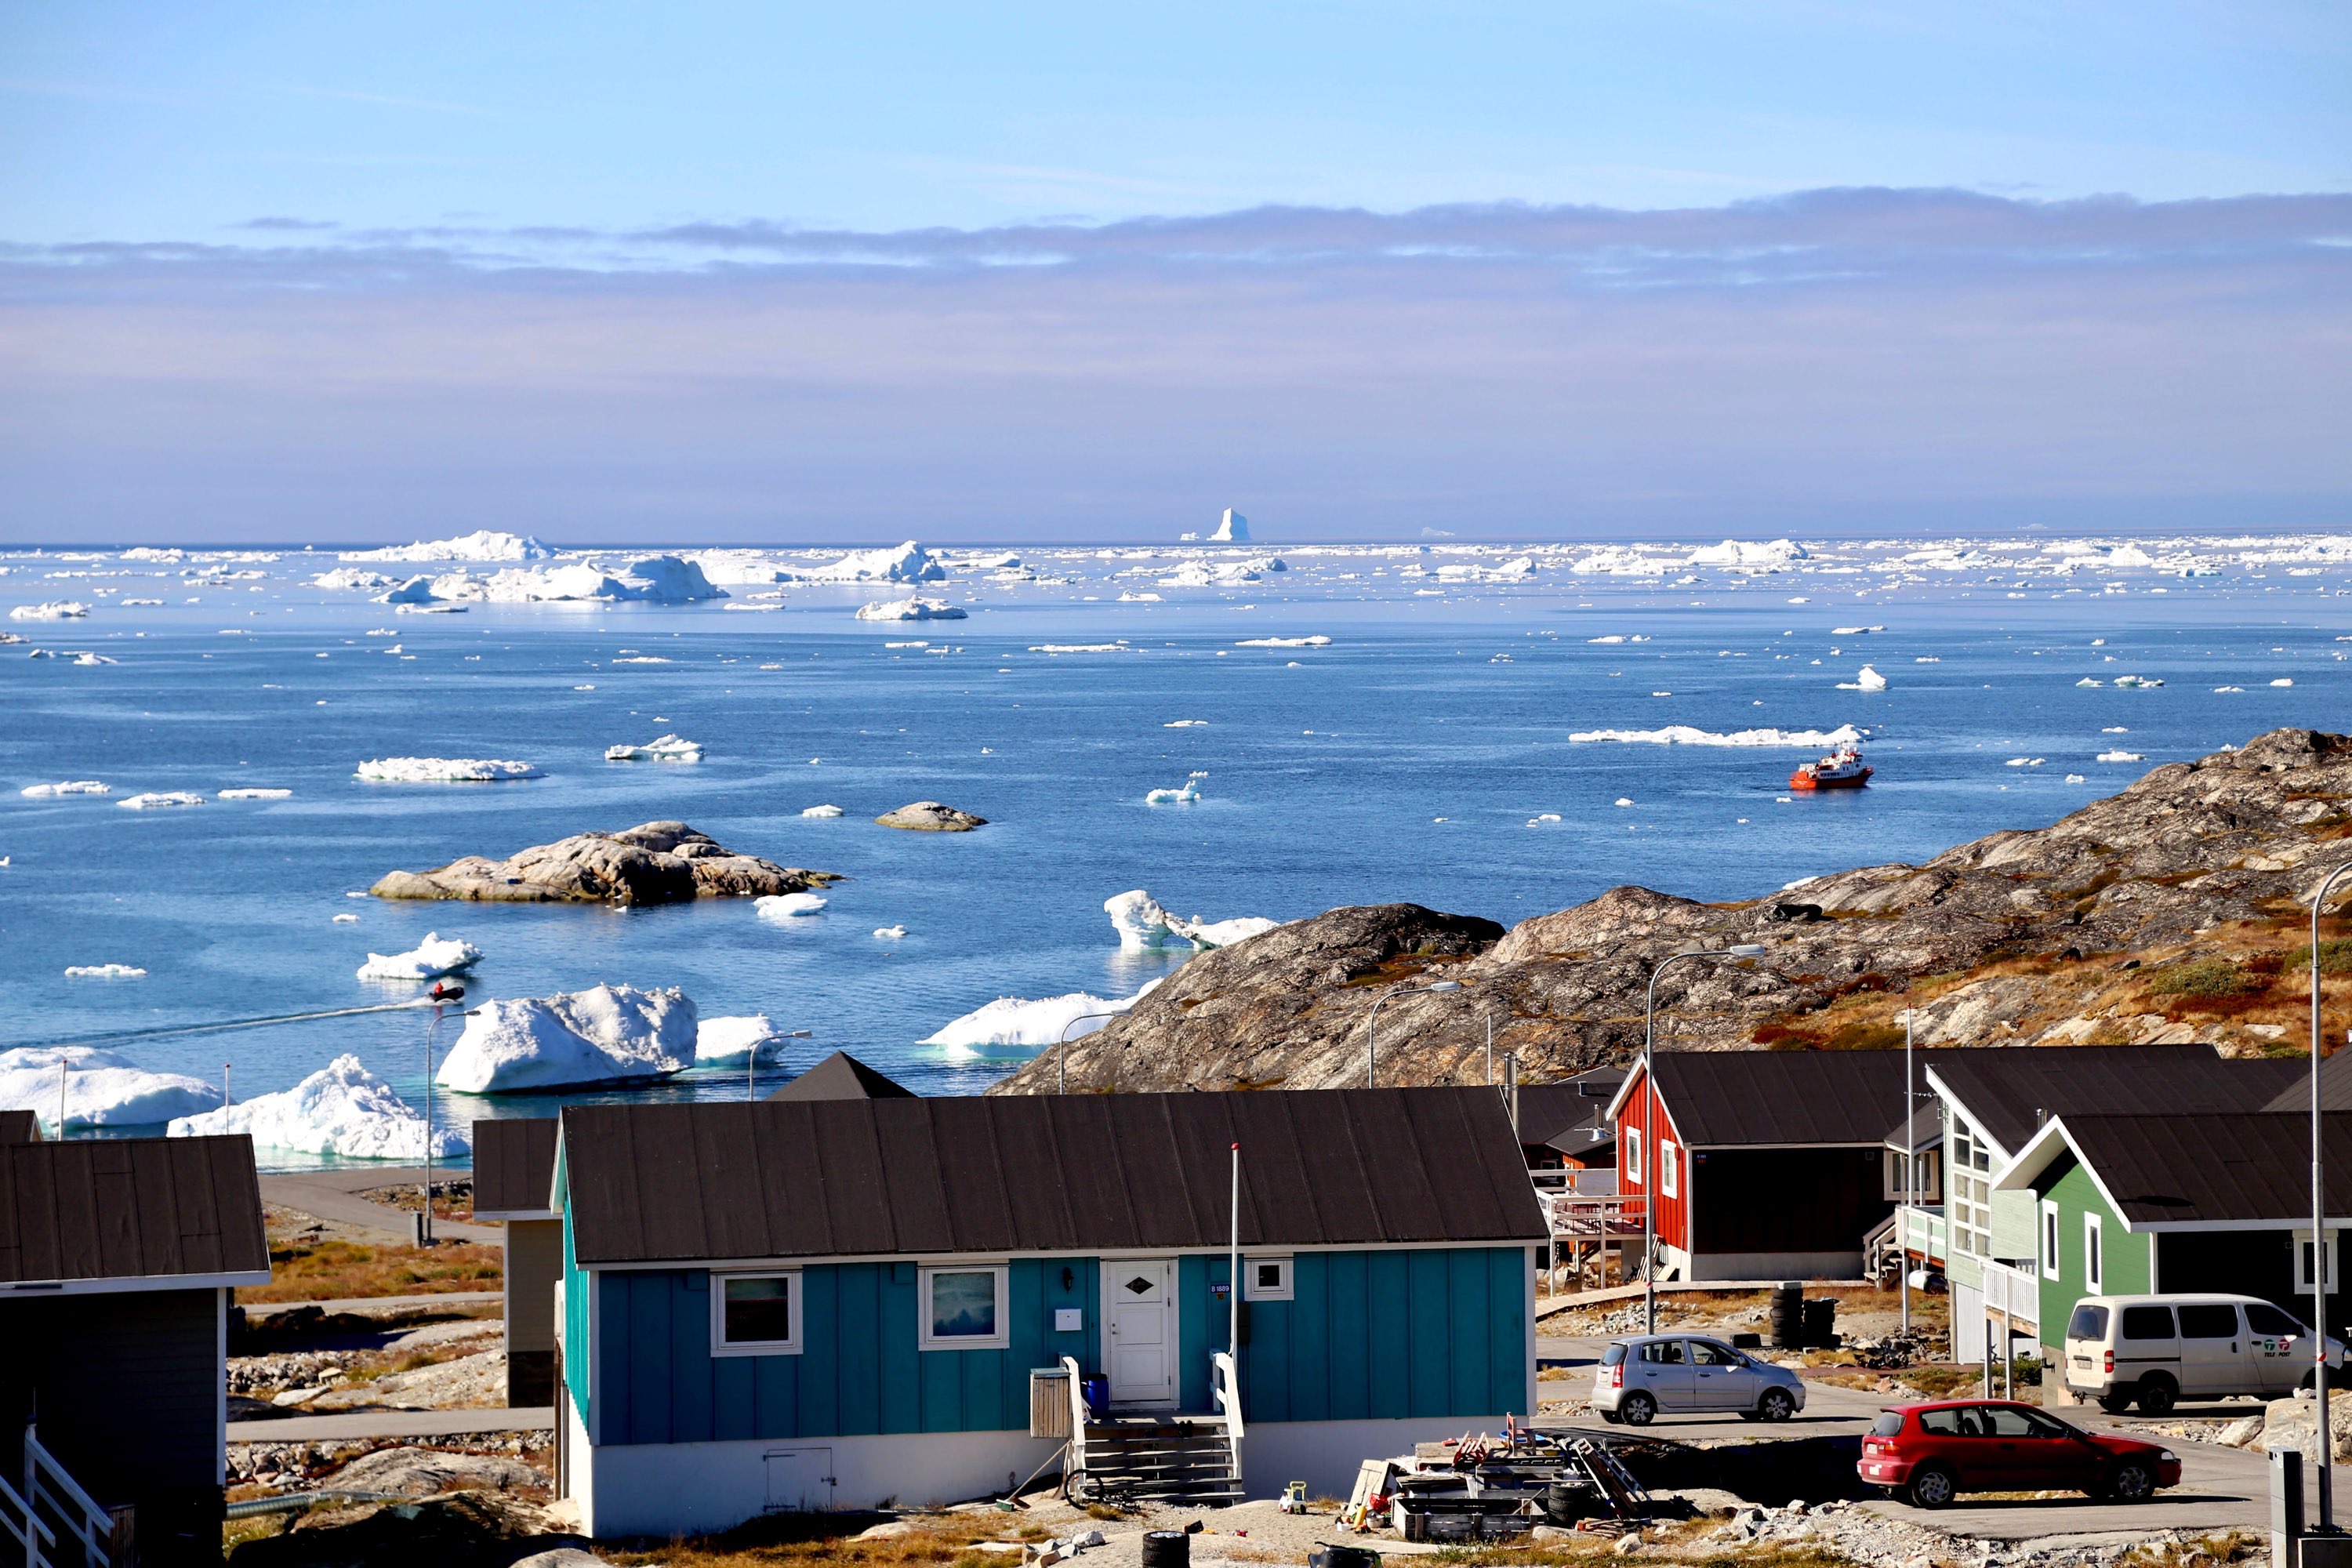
x=813 y=1303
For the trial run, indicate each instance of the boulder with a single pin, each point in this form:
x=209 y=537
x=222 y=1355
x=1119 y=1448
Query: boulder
x=654 y=863
x=458 y=1530
x=422 y=1472
x=930 y=816
x=2294 y=1424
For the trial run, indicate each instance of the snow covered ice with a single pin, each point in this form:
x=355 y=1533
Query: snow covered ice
x=54 y=610
x=664 y=749
x=608 y=1034
x=104 y=972
x=102 y=1088
x=1142 y=922
x=1686 y=735
x=254 y=795
x=1868 y=680
x=68 y=786
x=909 y=563
x=650 y=579
x=482 y=545
x=342 y=1109
x=435 y=955
x=1017 y=1022
x=1318 y=641
x=164 y=798
x=786 y=906
x=443 y=770
x=821 y=811
x=1185 y=796
x=730 y=1042
x=910 y=609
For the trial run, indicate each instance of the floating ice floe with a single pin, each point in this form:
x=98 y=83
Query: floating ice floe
x=786 y=906
x=821 y=811
x=153 y=800
x=2283 y=681
x=2228 y=688
x=1141 y=599
x=67 y=786
x=2087 y=680
x=102 y=1088
x=732 y=1042
x=1854 y=631
x=435 y=955
x=54 y=610
x=2138 y=683
x=346 y=920
x=1607 y=640
x=482 y=545
x=1204 y=574
x=1318 y=641
x=1868 y=679
x=1743 y=556
x=665 y=749
x=611 y=1034
x=1019 y=1023
x=2121 y=757
x=350 y=579
x=1686 y=735
x=651 y=579
x=443 y=770
x=2076 y=778
x=1186 y=796
x=1622 y=800
x=342 y=1109
x=889 y=933
x=913 y=608
x=909 y=563
x=1142 y=922
x=104 y=972
x=255 y=793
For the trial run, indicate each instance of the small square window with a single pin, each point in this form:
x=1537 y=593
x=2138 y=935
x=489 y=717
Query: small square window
x=1266 y=1279
x=963 y=1308
x=1670 y=1169
x=755 y=1314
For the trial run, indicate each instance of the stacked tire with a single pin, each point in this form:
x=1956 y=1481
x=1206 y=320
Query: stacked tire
x=1788 y=1315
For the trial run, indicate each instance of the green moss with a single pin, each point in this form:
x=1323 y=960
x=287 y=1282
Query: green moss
x=2207 y=978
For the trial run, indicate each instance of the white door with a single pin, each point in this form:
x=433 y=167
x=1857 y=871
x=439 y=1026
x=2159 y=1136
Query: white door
x=800 y=1481
x=1139 y=1329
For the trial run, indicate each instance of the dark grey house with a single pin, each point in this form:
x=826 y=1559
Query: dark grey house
x=117 y=1257
x=514 y=1183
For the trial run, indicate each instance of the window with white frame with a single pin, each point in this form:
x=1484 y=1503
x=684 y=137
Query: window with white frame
x=1968 y=1189
x=2303 y=1260
x=1670 y=1168
x=2050 y=1260
x=963 y=1307
x=755 y=1314
x=1266 y=1279
x=2094 y=1255
x=1634 y=1155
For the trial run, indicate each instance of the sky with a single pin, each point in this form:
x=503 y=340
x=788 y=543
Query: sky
x=722 y=273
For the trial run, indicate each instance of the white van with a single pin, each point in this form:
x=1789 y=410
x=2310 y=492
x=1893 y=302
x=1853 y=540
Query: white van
x=2155 y=1350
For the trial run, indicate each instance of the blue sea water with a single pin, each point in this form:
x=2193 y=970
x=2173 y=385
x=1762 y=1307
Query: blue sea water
x=1424 y=754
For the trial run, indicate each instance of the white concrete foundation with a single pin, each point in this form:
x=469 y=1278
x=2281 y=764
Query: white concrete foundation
x=1326 y=1454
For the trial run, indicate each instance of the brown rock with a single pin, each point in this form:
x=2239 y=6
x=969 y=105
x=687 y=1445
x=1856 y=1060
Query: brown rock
x=930 y=816
x=656 y=863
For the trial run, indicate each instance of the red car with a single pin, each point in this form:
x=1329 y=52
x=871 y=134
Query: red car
x=1929 y=1454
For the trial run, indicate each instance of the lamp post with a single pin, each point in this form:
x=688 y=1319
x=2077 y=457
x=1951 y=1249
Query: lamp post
x=1062 y=1049
x=2319 y=1227
x=1372 y=1024
x=1910 y=1179
x=1736 y=950
x=443 y=997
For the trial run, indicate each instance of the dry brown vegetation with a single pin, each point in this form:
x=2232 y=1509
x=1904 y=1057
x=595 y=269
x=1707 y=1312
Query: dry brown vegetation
x=328 y=1270
x=793 y=1539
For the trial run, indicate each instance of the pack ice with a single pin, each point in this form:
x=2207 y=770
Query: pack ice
x=435 y=955
x=607 y=1035
x=912 y=608
x=342 y=1108
x=1142 y=922
x=102 y=1088
x=652 y=579
x=664 y=749
x=442 y=770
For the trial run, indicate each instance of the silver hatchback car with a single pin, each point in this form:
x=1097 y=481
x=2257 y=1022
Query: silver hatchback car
x=1649 y=1375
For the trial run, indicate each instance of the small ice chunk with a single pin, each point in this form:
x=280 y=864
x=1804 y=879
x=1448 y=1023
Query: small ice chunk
x=1285 y=642
x=663 y=749
x=347 y=919
x=435 y=955
x=1185 y=724
x=733 y=1041
x=1142 y=922
x=1622 y=800
x=67 y=786
x=1189 y=792
x=443 y=770
x=2139 y=682
x=786 y=906
x=2121 y=757
x=1606 y=639
x=342 y=1109
x=889 y=933
x=256 y=794
x=2226 y=689
x=166 y=797
x=1689 y=735
x=2076 y=778
x=1554 y=816
x=821 y=810
x=913 y=608
x=2283 y=681
x=102 y=1088
x=2086 y=680
x=104 y=972
x=2116 y=729
x=609 y=1034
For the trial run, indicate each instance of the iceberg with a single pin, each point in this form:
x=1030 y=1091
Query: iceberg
x=2283 y=681
x=104 y=972
x=54 y=610
x=1686 y=735
x=2138 y=683
x=102 y=1088
x=482 y=545
x=416 y=591
x=67 y=786
x=613 y=1033
x=163 y=798
x=889 y=933
x=1317 y=641
x=652 y=579
x=1017 y=1022
x=1142 y=922
x=786 y=906
x=2121 y=757
x=821 y=811
x=254 y=795
x=1186 y=796
x=664 y=749
x=909 y=563
x=911 y=609
x=443 y=770
x=1737 y=552
x=731 y=1042
x=1232 y=529
x=1868 y=680
x=350 y=579
x=435 y=955
x=342 y=1109
x=1201 y=575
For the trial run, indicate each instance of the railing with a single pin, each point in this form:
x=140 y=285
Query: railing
x=2016 y=1293
x=1585 y=1183
x=1225 y=1391
x=1927 y=1233
x=54 y=1522
x=1577 y=1216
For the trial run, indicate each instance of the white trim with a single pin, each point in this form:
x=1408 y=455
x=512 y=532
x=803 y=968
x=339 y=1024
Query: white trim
x=924 y=1273
x=1255 y=1290
x=2300 y=1239
x=517 y=1214
x=2094 y=1254
x=2046 y=1240
x=116 y=1285
x=1056 y=1254
x=1629 y=1140
x=721 y=1346
x=1670 y=1169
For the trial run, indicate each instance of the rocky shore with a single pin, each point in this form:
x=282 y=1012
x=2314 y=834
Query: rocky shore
x=654 y=863
x=2166 y=912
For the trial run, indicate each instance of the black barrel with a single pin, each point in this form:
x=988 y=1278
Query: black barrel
x=1788 y=1314
x=1821 y=1323
x=1167 y=1549
x=1333 y=1556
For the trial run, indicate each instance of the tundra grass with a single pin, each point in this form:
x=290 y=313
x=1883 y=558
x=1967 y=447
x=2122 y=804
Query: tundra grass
x=330 y=1270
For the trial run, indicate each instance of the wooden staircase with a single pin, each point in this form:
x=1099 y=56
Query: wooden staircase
x=1160 y=1458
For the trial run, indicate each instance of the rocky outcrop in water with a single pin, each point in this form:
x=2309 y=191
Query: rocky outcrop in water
x=655 y=863
x=930 y=816
x=2019 y=936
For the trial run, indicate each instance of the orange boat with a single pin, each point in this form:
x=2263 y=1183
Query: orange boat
x=1842 y=769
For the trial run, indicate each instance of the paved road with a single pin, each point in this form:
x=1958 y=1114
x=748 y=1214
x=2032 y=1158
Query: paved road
x=365 y=1305
x=363 y=1424
x=334 y=1195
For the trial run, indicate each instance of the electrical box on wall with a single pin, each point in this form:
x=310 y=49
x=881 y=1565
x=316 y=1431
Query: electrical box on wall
x=1069 y=1319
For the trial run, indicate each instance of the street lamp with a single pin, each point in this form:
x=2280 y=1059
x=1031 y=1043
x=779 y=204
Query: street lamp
x=1062 y=1049
x=1371 y=1024
x=1736 y=950
x=2319 y=1271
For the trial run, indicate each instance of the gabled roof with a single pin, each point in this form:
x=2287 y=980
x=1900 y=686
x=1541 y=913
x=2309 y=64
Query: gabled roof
x=2335 y=1084
x=2011 y=1092
x=1007 y=1173
x=1730 y=1099
x=1560 y=1114
x=114 y=1213
x=2197 y=1170
x=19 y=1127
x=514 y=1167
x=841 y=1077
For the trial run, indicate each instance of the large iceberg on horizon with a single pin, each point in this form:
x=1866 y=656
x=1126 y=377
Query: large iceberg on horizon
x=611 y=1034
x=343 y=1109
x=1014 y=1021
x=1233 y=529
x=435 y=955
x=1142 y=922
x=651 y=579
x=909 y=563
x=102 y=1088
x=482 y=545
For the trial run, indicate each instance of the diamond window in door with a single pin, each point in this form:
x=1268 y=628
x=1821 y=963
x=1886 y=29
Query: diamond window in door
x=1141 y=1286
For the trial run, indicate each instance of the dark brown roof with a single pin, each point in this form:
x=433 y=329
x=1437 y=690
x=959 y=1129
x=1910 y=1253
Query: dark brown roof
x=1729 y=1098
x=2335 y=1083
x=514 y=1165
x=2011 y=1092
x=841 y=1077
x=1038 y=1174
x=19 y=1127
x=2233 y=1167
x=1566 y=1115
x=129 y=1208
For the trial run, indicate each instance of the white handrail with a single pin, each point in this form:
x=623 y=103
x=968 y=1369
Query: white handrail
x=90 y=1527
x=1224 y=1386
